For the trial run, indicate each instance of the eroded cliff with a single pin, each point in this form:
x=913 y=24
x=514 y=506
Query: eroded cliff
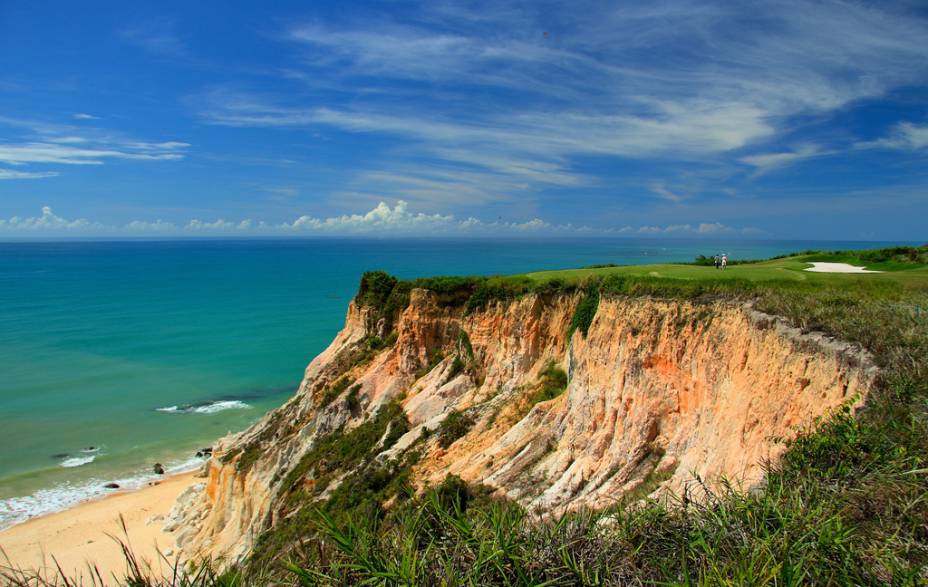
x=645 y=397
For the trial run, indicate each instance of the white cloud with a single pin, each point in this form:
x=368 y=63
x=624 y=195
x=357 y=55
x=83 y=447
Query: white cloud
x=84 y=116
x=715 y=228
x=904 y=136
x=64 y=144
x=47 y=221
x=68 y=140
x=157 y=147
x=156 y=226
x=490 y=95
x=25 y=153
x=666 y=128
x=216 y=225
x=281 y=193
x=770 y=161
x=708 y=228
x=382 y=220
x=11 y=174
x=661 y=191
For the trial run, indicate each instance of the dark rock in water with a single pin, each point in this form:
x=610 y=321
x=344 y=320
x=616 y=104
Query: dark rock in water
x=112 y=486
x=60 y=455
x=159 y=469
x=90 y=448
x=205 y=452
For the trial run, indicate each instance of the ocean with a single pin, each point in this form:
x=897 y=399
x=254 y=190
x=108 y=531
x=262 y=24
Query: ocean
x=117 y=355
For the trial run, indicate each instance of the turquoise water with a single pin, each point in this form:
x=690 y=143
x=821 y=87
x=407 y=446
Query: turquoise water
x=117 y=355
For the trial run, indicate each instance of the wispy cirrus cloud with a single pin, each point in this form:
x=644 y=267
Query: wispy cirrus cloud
x=767 y=162
x=13 y=174
x=663 y=192
x=518 y=104
x=44 y=143
x=157 y=36
x=25 y=153
x=905 y=136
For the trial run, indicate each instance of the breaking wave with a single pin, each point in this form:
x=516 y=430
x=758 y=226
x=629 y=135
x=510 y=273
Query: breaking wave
x=207 y=408
x=72 y=462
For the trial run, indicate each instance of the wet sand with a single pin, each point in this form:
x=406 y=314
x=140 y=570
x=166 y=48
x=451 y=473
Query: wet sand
x=85 y=534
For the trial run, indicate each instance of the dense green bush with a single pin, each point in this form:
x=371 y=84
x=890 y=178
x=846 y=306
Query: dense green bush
x=375 y=288
x=584 y=314
x=455 y=425
x=457 y=367
x=333 y=391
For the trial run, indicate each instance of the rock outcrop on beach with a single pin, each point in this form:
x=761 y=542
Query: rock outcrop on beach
x=649 y=396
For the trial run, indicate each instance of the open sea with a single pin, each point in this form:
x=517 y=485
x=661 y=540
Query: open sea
x=115 y=355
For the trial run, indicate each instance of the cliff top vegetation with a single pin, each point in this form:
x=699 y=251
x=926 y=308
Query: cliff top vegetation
x=901 y=268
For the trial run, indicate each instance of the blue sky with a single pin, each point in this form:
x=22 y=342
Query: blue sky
x=770 y=120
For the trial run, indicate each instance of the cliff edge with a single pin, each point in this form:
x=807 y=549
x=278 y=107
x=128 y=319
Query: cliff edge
x=556 y=400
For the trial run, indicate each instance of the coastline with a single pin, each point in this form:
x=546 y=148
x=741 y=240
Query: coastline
x=89 y=532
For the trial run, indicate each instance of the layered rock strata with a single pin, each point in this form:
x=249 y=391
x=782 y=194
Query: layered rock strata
x=658 y=393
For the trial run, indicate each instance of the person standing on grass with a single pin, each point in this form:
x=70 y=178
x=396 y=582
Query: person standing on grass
x=718 y=261
x=724 y=261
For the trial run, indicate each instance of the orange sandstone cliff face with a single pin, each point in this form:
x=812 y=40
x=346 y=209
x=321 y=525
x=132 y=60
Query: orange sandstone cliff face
x=659 y=392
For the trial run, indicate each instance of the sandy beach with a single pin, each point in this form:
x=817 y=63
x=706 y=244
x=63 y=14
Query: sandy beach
x=85 y=533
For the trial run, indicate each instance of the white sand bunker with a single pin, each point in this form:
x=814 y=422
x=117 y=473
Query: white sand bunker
x=837 y=268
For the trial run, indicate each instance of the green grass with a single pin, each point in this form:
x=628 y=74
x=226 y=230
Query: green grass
x=788 y=269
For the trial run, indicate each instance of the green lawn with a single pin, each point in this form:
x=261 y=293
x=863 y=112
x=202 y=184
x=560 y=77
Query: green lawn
x=786 y=269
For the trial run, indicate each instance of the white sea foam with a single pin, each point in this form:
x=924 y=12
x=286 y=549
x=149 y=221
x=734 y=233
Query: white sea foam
x=77 y=461
x=210 y=408
x=221 y=406
x=66 y=495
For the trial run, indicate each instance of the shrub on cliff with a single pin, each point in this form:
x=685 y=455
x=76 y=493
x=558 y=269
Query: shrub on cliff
x=584 y=314
x=334 y=390
x=375 y=287
x=454 y=426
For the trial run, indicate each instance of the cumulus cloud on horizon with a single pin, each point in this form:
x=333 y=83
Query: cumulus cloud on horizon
x=47 y=221
x=382 y=220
